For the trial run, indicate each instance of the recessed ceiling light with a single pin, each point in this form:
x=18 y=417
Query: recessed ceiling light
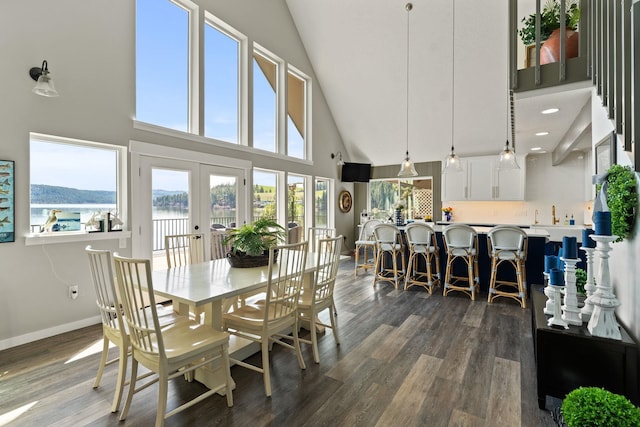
x=542 y=133
x=550 y=110
x=536 y=148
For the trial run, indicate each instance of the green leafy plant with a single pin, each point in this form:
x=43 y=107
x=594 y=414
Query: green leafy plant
x=622 y=199
x=256 y=238
x=595 y=406
x=549 y=20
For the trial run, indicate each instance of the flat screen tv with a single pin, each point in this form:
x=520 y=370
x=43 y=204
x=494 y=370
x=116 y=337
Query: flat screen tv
x=356 y=172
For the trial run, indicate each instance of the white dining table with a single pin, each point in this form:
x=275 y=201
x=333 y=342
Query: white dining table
x=203 y=287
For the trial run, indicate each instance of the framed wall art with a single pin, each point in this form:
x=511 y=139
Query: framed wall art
x=345 y=201
x=7 y=215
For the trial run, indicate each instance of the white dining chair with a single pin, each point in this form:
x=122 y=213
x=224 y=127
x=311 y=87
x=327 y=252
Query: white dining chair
x=114 y=328
x=113 y=324
x=184 y=249
x=314 y=234
x=171 y=352
x=320 y=296
x=270 y=321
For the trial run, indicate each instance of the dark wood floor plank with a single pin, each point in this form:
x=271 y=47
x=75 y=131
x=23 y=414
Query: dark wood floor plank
x=405 y=358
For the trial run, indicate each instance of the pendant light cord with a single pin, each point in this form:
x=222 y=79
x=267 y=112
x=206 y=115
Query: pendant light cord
x=408 y=7
x=453 y=70
x=513 y=119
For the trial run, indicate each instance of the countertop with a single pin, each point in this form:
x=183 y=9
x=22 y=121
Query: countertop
x=484 y=228
x=551 y=232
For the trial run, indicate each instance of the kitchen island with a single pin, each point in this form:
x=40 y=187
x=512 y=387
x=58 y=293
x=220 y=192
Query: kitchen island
x=535 y=255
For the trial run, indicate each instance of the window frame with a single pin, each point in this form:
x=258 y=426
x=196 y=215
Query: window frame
x=242 y=109
x=199 y=16
x=121 y=195
x=307 y=148
x=279 y=109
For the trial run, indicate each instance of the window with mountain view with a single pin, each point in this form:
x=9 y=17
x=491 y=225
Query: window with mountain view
x=72 y=183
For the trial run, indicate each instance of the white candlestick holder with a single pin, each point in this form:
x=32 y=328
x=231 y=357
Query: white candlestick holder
x=603 y=321
x=589 y=287
x=556 y=318
x=570 y=310
x=548 y=307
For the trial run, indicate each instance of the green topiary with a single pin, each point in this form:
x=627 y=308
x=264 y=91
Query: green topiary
x=622 y=199
x=594 y=406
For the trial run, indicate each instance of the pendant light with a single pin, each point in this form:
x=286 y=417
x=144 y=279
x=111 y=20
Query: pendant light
x=507 y=159
x=407 y=169
x=452 y=161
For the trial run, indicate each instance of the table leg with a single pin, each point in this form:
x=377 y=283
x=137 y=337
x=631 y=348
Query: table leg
x=212 y=375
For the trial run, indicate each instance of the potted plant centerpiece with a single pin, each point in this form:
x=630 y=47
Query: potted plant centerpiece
x=251 y=242
x=550 y=30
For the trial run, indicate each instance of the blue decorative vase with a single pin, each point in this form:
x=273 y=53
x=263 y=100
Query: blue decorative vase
x=399 y=220
x=448 y=216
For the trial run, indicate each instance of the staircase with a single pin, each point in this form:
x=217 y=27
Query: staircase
x=609 y=56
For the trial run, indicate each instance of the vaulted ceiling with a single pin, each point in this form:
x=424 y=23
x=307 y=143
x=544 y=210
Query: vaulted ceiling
x=457 y=79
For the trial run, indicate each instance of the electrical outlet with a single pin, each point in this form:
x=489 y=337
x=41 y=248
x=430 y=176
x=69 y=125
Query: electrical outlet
x=73 y=291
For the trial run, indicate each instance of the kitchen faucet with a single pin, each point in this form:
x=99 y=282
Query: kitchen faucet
x=554 y=220
x=535 y=217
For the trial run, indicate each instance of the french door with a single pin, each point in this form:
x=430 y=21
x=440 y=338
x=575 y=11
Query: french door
x=182 y=197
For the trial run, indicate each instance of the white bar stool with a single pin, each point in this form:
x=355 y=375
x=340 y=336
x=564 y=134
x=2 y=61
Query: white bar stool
x=461 y=243
x=422 y=243
x=388 y=243
x=366 y=242
x=508 y=244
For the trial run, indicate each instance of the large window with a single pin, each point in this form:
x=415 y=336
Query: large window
x=74 y=184
x=162 y=64
x=414 y=196
x=265 y=194
x=185 y=86
x=221 y=85
x=265 y=84
x=296 y=115
x=322 y=196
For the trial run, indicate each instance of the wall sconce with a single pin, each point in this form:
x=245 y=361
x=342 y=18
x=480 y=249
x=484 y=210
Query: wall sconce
x=339 y=156
x=44 y=85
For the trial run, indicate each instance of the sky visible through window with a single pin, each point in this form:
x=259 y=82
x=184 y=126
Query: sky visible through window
x=162 y=86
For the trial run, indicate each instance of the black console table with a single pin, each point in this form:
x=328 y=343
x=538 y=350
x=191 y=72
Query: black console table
x=569 y=358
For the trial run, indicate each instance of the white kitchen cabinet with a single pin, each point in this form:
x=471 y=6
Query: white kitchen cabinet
x=454 y=184
x=509 y=185
x=481 y=180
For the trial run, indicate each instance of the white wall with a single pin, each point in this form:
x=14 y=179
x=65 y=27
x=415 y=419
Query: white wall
x=623 y=261
x=546 y=185
x=89 y=46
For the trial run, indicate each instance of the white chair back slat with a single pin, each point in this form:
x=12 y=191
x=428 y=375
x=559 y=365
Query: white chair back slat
x=184 y=249
x=317 y=233
x=285 y=280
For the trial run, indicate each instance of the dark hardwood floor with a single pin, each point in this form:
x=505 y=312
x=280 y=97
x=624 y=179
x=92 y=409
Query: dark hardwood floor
x=405 y=359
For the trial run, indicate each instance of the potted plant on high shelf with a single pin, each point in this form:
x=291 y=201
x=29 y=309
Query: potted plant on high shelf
x=251 y=242
x=550 y=30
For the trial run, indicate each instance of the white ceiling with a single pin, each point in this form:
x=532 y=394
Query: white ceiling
x=358 y=49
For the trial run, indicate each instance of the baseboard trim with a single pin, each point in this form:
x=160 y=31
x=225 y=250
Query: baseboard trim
x=46 y=333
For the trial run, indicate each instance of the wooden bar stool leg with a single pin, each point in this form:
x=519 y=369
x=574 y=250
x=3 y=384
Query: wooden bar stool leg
x=470 y=272
x=407 y=277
